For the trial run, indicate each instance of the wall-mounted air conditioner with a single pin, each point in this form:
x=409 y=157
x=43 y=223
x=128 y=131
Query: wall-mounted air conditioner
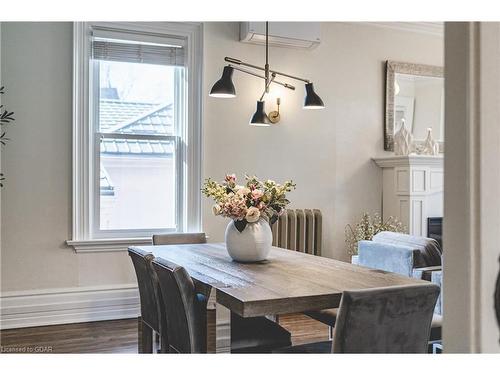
x=282 y=34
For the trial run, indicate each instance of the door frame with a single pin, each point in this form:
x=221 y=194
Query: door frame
x=471 y=186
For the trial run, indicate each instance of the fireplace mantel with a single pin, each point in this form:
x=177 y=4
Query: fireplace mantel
x=412 y=160
x=412 y=189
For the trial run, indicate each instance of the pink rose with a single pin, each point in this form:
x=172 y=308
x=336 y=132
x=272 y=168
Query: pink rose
x=230 y=178
x=257 y=194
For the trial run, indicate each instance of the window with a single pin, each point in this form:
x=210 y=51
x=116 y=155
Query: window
x=136 y=130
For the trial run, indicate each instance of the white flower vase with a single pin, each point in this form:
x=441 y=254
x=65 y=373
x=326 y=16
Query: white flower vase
x=253 y=244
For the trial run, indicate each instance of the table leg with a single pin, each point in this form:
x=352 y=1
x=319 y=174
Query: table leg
x=218 y=326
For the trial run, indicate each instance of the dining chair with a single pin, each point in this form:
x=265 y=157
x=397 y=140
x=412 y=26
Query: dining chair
x=152 y=320
x=186 y=318
x=380 y=320
x=179 y=238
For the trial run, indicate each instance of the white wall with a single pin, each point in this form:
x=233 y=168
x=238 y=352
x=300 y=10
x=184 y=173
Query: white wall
x=326 y=152
x=36 y=200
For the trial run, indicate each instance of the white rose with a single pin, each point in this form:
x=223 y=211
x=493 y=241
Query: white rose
x=243 y=191
x=216 y=209
x=253 y=214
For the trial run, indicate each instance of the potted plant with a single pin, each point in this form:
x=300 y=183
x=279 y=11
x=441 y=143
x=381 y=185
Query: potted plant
x=252 y=208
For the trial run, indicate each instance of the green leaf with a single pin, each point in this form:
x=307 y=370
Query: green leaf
x=240 y=224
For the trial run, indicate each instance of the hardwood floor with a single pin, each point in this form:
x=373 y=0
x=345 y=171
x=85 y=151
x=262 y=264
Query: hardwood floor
x=120 y=336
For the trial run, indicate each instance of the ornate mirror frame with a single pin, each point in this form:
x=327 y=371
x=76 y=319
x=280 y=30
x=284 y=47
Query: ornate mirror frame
x=393 y=67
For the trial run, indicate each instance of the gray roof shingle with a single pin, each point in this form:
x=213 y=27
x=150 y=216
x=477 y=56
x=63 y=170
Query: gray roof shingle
x=116 y=112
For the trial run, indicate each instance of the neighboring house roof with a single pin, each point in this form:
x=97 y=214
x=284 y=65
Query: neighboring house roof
x=133 y=118
x=114 y=112
x=157 y=120
x=136 y=147
x=136 y=118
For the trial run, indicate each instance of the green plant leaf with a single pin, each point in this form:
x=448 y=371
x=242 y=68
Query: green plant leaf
x=273 y=219
x=240 y=224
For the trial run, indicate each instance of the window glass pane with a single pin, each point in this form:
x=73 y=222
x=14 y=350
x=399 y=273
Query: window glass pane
x=136 y=98
x=137 y=176
x=137 y=184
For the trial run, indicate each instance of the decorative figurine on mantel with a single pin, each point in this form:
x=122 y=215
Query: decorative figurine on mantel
x=403 y=141
x=431 y=147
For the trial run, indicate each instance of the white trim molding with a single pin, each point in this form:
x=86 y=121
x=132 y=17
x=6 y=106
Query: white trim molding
x=107 y=244
x=68 y=305
x=430 y=28
x=406 y=161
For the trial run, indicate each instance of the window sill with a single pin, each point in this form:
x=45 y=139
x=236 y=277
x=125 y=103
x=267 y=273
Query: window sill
x=106 y=245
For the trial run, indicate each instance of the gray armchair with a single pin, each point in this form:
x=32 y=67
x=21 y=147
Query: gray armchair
x=412 y=256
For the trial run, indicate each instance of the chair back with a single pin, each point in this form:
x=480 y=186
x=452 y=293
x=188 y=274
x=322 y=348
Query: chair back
x=429 y=250
x=179 y=238
x=149 y=291
x=185 y=318
x=385 y=320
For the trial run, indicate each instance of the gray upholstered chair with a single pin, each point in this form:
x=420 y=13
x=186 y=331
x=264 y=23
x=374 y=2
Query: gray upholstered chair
x=380 y=320
x=411 y=256
x=186 y=318
x=179 y=238
x=152 y=319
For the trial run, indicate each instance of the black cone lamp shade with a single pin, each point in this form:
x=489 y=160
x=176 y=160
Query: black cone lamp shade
x=312 y=100
x=224 y=87
x=260 y=118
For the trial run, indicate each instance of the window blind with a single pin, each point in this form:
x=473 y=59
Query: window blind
x=132 y=50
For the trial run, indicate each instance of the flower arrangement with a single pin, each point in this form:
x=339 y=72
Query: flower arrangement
x=368 y=227
x=249 y=202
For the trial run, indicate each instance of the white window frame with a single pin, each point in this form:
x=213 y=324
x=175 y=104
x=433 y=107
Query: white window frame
x=85 y=236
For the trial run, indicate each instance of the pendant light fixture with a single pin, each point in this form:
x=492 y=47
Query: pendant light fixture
x=224 y=87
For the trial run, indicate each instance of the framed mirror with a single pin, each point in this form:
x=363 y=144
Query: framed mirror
x=414 y=97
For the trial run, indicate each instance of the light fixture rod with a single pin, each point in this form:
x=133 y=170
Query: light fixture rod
x=286 y=85
x=266 y=90
x=266 y=67
x=239 y=62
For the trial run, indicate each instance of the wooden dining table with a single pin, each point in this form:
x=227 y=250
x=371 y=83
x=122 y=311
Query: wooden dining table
x=287 y=282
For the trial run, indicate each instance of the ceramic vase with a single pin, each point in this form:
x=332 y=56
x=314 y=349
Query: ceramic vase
x=253 y=244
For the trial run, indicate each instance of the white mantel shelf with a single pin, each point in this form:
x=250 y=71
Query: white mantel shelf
x=412 y=189
x=411 y=160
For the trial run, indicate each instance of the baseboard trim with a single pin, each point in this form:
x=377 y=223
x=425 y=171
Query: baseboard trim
x=68 y=305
